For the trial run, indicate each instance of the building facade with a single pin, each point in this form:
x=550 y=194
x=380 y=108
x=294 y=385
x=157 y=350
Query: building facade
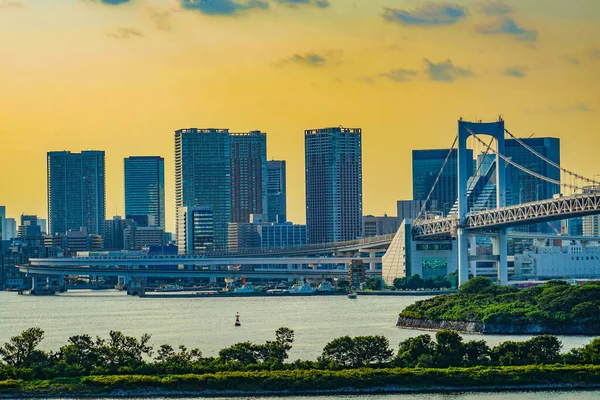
x=591 y=224
x=376 y=226
x=248 y=175
x=29 y=227
x=282 y=235
x=114 y=233
x=76 y=191
x=408 y=209
x=145 y=190
x=276 y=191
x=203 y=179
x=426 y=165
x=333 y=167
x=196 y=230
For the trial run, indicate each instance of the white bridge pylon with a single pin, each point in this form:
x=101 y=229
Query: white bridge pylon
x=499 y=242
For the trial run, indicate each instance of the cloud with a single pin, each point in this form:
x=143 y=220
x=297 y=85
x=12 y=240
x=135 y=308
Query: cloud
x=160 y=16
x=572 y=60
x=445 y=71
x=493 y=8
x=12 y=4
x=313 y=59
x=508 y=26
x=515 y=72
x=223 y=7
x=578 y=107
x=594 y=53
x=428 y=14
x=399 y=74
x=125 y=33
x=297 y=3
x=369 y=80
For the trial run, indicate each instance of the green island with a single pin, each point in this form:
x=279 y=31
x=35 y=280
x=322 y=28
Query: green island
x=121 y=366
x=481 y=306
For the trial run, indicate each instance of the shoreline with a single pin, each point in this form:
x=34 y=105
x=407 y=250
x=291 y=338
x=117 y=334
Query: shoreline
x=390 y=389
x=313 y=382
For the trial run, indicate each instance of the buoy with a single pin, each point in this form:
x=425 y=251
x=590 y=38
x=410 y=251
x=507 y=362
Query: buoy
x=237 y=319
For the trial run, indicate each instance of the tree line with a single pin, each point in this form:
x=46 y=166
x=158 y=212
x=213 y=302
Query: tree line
x=120 y=354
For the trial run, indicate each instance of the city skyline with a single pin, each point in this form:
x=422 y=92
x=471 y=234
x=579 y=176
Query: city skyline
x=404 y=82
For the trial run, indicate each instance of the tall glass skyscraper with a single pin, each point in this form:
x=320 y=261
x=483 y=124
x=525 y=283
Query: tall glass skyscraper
x=203 y=176
x=333 y=165
x=276 y=192
x=526 y=188
x=76 y=191
x=145 y=190
x=426 y=164
x=248 y=175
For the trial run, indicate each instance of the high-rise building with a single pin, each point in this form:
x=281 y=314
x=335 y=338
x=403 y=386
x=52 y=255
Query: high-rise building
x=43 y=224
x=591 y=223
x=203 y=178
x=276 y=191
x=10 y=231
x=282 y=235
x=145 y=190
x=426 y=165
x=333 y=165
x=526 y=188
x=29 y=227
x=114 y=232
x=408 y=209
x=3 y=223
x=376 y=226
x=136 y=238
x=196 y=228
x=76 y=191
x=248 y=175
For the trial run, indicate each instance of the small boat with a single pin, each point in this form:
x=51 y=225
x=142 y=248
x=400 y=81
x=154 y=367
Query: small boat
x=353 y=295
x=324 y=287
x=169 y=288
x=237 y=320
x=304 y=287
x=247 y=288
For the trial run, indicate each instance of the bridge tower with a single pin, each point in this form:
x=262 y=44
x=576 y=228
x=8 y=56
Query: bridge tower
x=499 y=243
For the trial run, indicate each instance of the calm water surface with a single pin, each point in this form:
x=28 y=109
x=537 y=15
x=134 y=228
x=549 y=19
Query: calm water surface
x=207 y=323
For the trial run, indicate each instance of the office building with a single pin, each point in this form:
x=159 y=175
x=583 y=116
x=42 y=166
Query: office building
x=248 y=175
x=73 y=241
x=376 y=226
x=333 y=165
x=243 y=236
x=526 y=188
x=591 y=223
x=3 y=223
x=426 y=165
x=408 y=209
x=203 y=179
x=10 y=229
x=29 y=227
x=114 y=232
x=145 y=190
x=276 y=191
x=196 y=230
x=140 y=237
x=43 y=224
x=282 y=235
x=76 y=191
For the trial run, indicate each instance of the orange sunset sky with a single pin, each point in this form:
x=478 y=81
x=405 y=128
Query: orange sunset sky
x=121 y=76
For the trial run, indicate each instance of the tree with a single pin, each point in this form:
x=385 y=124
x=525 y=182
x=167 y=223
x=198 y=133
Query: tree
x=21 y=350
x=476 y=353
x=339 y=351
x=416 y=351
x=543 y=349
x=80 y=351
x=123 y=352
x=449 y=350
x=172 y=362
x=475 y=285
x=373 y=284
x=359 y=351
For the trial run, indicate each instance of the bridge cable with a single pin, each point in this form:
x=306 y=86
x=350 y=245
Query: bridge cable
x=547 y=160
x=437 y=179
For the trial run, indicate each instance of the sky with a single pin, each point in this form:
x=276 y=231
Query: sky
x=123 y=75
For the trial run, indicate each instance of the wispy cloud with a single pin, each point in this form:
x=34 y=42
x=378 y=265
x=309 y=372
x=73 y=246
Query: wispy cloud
x=428 y=14
x=12 y=4
x=313 y=59
x=297 y=3
x=594 y=53
x=399 y=75
x=493 y=8
x=160 y=16
x=579 y=107
x=508 y=26
x=446 y=71
x=515 y=72
x=125 y=33
x=223 y=7
x=572 y=60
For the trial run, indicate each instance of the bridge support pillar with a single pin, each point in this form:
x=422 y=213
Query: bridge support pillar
x=135 y=286
x=473 y=252
x=500 y=249
x=463 y=256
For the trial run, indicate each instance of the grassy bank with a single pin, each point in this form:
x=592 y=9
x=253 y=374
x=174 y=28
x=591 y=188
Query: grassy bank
x=314 y=381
